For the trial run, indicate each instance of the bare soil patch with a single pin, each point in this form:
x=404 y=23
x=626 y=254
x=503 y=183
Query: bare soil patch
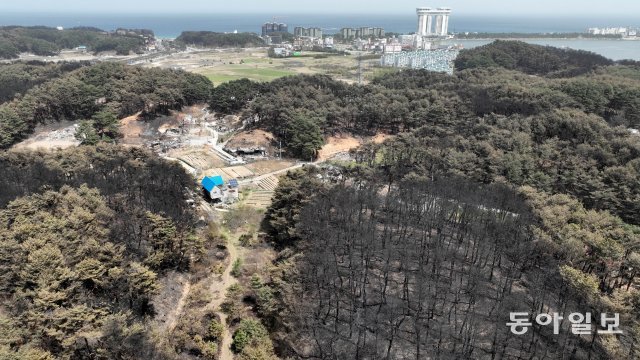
x=336 y=145
x=252 y=139
x=380 y=138
x=59 y=135
x=268 y=166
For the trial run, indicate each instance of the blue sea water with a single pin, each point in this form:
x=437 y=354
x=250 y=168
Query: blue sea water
x=171 y=25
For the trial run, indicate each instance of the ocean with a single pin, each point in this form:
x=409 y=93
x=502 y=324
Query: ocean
x=171 y=25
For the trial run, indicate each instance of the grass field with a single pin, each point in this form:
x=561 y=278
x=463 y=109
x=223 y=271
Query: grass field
x=258 y=67
x=235 y=72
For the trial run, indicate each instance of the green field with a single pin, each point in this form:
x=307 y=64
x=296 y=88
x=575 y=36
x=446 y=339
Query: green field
x=235 y=72
x=266 y=69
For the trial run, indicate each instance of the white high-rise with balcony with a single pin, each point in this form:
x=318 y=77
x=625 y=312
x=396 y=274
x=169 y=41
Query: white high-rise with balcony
x=425 y=21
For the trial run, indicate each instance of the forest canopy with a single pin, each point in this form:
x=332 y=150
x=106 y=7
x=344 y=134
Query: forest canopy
x=418 y=267
x=530 y=59
x=217 y=39
x=18 y=77
x=82 y=250
x=46 y=41
x=568 y=135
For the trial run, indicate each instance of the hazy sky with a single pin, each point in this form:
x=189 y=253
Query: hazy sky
x=468 y=7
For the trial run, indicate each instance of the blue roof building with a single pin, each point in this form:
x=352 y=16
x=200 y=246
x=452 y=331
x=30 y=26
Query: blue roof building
x=210 y=182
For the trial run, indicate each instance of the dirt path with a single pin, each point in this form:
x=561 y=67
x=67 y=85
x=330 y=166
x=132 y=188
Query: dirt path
x=219 y=288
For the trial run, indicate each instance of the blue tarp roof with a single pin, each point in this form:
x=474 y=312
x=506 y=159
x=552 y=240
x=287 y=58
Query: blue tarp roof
x=210 y=182
x=234 y=183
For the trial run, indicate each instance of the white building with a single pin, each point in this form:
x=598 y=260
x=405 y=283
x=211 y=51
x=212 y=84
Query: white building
x=392 y=48
x=328 y=42
x=426 y=17
x=406 y=40
x=608 y=31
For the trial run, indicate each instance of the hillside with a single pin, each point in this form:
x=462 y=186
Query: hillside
x=16 y=78
x=45 y=41
x=107 y=89
x=500 y=192
x=530 y=59
x=561 y=135
x=83 y=251
x=433 y=269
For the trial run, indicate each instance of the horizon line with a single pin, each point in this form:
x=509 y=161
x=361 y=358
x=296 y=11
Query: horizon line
x=314 y=13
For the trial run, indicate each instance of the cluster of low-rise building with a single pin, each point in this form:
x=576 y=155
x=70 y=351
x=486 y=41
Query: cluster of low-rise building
x=625 y=32
x=309 y=42
x=433 y=25
x=362 y=32
x=306 y=38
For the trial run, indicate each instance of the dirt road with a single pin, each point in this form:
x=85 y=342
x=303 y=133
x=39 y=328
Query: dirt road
x=219 y=289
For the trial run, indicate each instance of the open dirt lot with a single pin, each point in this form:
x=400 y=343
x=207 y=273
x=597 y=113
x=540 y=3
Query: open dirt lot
x=77 y=55
x=252 y=139
x=59 y=135
x=338 y=144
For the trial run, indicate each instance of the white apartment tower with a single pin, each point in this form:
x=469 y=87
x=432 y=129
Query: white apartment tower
x=425 y=21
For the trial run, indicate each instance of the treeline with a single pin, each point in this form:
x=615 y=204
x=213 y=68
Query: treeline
x=216 y=39
x=531 y=59
x=107 y=87
x=87 y=234
x=45 y=41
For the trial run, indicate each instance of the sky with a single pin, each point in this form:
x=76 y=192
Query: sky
x=463 y=7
